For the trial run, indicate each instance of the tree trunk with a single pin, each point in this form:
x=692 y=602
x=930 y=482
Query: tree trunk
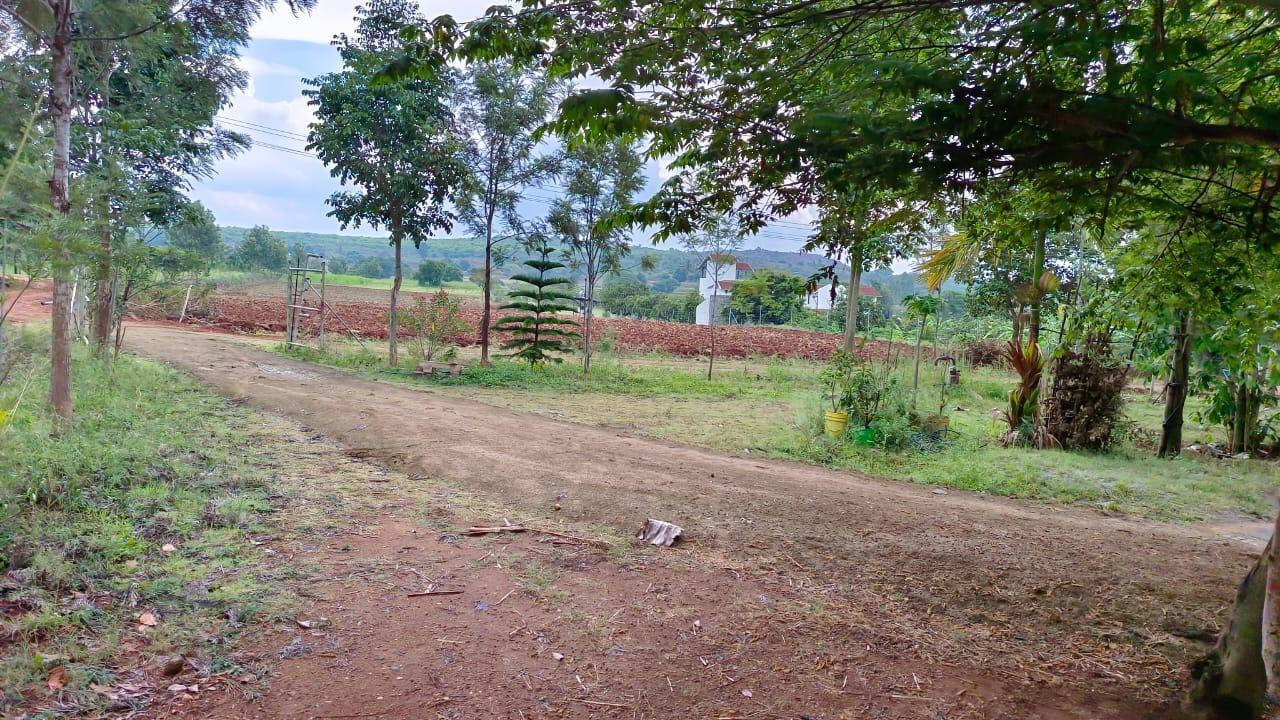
x=915 y=378
x=1171 y=427
x=855 y=295
x=103 y=314
x=1244 y=418
x=393 y=324
x=1037 y=295
x=1271 y=617
x=1231 y=681
x=59 y=195
x=586 y=324
x=485 y=319
x=711 y=326
x=105 y=286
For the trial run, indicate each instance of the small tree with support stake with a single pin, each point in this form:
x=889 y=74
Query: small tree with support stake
x=538 y=331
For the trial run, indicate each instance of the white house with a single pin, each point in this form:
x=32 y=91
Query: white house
x=724 y=270
x=820 y=299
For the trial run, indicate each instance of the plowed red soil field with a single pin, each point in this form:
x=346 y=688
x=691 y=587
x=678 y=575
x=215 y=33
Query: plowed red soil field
x=368 y=319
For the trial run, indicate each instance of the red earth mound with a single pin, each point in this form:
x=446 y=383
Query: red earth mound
x=368 y=319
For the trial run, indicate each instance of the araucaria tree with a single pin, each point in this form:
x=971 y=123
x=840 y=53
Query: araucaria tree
x=538 y=330
x=600 y=181
x=394 y=141
x=500 y=108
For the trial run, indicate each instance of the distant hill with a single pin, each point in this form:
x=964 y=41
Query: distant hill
x=675 y=267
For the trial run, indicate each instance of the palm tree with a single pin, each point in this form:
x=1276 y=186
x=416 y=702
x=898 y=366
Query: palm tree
x=921 y=307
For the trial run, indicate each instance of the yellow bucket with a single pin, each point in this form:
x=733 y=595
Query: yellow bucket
x=836 y=423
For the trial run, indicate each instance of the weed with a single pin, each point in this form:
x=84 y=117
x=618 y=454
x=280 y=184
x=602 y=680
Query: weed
x=152 y=460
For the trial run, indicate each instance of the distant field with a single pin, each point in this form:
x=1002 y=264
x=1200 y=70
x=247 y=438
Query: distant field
x=345 y=288
x=461 y=287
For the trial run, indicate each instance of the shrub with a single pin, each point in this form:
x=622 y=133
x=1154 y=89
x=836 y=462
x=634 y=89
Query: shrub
x=1084 y=409
x=981 y=353
x=434 y=324
x=1023 y=413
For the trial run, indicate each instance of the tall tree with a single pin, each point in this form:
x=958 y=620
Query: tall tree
x=1007 y=225
x=600 y=181
x=716 y=245
x=197 y=231
x=260 y=250
x=501 y=107
x=57 y=28
x=768 y=296
x=147 y=107
x=394 y=141
x=869 y=229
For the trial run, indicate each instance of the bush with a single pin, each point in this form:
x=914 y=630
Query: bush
x=371 y=267
x=434 y=273
x=434 y=325
x=989 y=353
x=166 y=299
x=893 y=432
x=1085 y=408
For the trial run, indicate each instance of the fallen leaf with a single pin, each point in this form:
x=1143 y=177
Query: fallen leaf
x=557 y=656
x=103 y=689
x=58 y=678
x=148 y=618
x=303 y=623
x=172 y=665
x=168 y=547
x=747 y=693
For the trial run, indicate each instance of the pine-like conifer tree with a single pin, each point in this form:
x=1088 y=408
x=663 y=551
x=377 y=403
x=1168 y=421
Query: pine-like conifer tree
x=538 y=331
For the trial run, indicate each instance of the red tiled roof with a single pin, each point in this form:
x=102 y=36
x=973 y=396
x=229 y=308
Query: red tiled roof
x=868 y=291
x=726 y=285
x=744 y=266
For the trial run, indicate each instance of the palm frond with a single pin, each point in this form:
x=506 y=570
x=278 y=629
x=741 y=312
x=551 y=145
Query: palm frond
x=957 y=252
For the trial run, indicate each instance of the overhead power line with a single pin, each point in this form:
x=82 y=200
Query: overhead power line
x=264 y=128
x=771 y=232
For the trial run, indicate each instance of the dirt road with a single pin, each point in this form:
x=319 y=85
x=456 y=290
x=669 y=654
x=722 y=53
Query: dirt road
x=1078 y=614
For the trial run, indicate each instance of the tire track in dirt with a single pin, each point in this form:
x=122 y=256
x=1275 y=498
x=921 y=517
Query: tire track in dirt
x=1064 y=600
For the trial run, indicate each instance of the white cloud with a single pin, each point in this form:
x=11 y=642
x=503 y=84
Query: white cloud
x=236 y=206
x=292 y=115
x=331 y=17
x=326 y=19
x=261 y=68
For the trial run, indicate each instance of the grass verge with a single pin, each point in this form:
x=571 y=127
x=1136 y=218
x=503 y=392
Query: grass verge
x=124 y=539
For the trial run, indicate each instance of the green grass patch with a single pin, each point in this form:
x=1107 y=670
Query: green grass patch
x=651 y=376
x=153 y=460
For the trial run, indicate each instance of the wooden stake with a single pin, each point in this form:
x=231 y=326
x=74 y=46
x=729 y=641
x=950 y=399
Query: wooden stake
x=182 y=315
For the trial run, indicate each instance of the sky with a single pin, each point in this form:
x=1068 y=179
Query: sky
x=275 y=183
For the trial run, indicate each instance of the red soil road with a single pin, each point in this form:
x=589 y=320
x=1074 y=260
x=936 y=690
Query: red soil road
x=1038 y=611
x=30 y=304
